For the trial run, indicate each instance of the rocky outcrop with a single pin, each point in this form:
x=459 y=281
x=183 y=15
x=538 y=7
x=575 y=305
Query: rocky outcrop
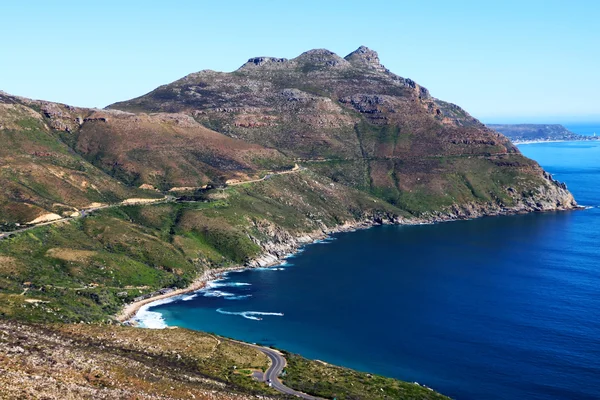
x=365 y=57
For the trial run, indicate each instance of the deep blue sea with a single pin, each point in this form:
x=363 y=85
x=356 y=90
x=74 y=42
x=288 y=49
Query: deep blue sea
x=495 y=308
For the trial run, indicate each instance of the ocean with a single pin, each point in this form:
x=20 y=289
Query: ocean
x=495 y=308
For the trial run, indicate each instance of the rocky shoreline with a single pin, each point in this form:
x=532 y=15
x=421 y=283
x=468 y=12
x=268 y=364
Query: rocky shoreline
x=283 y=244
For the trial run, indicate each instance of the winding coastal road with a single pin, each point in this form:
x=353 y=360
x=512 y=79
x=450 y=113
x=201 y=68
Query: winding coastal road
x=85 y=212
x=278 y=363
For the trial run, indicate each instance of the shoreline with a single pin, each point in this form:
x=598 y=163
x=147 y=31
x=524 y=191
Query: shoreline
x=268 y=259
x=519 y=142
x=130 y=310
x=265 y=260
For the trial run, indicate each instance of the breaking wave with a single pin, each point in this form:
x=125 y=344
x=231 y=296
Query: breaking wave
x=188 y=298
x=217 y=293
x=253 y=315
x=240 y=297
x=220 y=283
x=152 y=319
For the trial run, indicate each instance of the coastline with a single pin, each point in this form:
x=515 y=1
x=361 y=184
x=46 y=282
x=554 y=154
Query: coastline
x=130 y=310
x=519 y=142
x=537 y=141
x=290 y=246
x=265 y=260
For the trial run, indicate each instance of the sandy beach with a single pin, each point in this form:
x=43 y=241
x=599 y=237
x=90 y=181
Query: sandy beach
x=266 y=260
x=130 y=310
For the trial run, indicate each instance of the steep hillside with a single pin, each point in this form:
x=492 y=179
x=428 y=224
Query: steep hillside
x=58 y=159
x=87 y=269
x=356 y=122
x=39 y=174
x=168 y=150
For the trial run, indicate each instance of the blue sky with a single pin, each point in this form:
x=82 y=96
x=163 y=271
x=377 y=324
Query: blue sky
x=503 y=61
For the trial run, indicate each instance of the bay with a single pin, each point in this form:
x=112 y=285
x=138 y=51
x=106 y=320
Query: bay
x=494 y=308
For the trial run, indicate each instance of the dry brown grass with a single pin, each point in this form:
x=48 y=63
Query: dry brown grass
x=10 y=266
x=92 y=362
x=66 y=254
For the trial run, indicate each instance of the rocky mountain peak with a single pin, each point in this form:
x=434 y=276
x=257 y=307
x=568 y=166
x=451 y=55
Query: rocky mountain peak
x=262 y=61
x=321 y=57
x=364 y=56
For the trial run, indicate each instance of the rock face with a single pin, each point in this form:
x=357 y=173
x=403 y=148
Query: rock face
x=363 y=56
x=361 y=125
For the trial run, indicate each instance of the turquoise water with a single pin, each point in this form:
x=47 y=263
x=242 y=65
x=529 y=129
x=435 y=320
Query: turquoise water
x=495 y=308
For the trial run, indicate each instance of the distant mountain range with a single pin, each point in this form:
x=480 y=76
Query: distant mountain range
x=519 y=133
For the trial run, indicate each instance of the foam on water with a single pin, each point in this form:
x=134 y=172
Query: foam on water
x=326 y=240
x=152 y=319
x=286 y=264
x=240 y=297
x=217 y=293
x=221 y=283
x=253 y=315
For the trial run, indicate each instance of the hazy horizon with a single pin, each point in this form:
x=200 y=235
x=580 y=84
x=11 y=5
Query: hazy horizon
x=500 y=62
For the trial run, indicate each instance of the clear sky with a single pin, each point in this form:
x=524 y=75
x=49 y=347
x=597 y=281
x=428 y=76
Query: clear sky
x=503 y=61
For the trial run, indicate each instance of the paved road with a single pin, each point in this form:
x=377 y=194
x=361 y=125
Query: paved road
x=278 y=363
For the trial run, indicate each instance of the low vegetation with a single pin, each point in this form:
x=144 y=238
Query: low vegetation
x=328 y=381
x=87 y=269
x=112 y=362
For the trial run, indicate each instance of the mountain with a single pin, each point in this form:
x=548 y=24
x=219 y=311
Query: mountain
x=354 y=121
x=248 y=167
x=536 y=132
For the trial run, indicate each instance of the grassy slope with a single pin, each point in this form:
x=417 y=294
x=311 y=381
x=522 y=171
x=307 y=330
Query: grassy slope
x=40 y=174
x=114 y=362
x=56 y=158
x=328 y=381
x=138 y=249
x=168 y=151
